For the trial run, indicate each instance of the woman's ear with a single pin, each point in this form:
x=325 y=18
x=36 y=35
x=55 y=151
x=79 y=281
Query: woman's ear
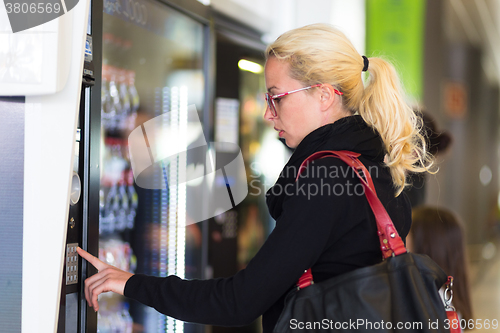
x=328 y=97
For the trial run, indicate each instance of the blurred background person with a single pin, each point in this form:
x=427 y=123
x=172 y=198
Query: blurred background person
x=438 y=233
x=437 y=142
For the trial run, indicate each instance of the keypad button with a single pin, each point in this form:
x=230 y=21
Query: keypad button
x=71 y=263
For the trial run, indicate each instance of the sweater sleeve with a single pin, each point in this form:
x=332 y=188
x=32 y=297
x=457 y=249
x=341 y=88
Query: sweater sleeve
x=301 y=235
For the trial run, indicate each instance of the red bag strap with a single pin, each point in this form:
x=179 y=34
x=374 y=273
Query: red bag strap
x=391 y=243
x=305 y=280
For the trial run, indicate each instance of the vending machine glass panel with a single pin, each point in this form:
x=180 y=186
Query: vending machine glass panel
x=152 y=64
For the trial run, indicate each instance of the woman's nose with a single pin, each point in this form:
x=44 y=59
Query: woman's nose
x=268 y=114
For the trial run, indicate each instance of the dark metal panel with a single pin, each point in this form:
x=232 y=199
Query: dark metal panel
x=91 y=134
x=242 y=40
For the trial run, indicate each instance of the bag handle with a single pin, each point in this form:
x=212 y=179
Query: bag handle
x=391 y=243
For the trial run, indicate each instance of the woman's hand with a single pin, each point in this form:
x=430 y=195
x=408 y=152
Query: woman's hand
x=109 y=278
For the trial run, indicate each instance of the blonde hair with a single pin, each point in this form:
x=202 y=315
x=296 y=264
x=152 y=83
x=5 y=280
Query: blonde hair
x=319 y=53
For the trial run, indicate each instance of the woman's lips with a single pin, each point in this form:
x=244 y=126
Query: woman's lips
x=281 y=132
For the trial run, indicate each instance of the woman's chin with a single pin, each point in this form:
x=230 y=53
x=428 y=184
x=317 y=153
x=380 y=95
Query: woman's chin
x=290 y=143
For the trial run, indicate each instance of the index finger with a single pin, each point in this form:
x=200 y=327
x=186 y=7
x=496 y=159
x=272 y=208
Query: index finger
x=91 y=259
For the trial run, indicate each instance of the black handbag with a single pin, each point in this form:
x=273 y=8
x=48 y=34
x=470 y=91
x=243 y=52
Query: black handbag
x=400 y=294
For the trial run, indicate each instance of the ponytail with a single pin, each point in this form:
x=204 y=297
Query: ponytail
x=319 y=53
x=383 y=107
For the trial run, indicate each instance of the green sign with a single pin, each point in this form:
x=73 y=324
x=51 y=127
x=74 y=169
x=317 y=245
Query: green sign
x=395 y=32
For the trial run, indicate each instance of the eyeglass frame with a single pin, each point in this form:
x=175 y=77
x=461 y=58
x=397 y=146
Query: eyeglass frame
x=271 y=98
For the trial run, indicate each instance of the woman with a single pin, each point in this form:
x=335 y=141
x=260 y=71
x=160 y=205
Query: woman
x=438 y=233
x=323 y=221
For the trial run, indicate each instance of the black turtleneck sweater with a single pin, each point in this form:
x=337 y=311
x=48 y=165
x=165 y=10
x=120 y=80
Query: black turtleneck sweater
x=323 y=221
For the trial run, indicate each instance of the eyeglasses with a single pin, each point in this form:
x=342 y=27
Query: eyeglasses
x=270 y=98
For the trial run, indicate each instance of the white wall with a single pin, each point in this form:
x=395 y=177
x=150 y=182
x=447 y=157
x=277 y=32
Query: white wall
x=274 y=17
x=348 y=16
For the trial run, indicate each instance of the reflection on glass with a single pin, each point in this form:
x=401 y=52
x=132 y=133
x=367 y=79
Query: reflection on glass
x=264 y=157
x=152 y=63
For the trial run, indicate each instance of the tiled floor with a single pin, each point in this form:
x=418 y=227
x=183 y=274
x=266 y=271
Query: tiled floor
x=486 y=294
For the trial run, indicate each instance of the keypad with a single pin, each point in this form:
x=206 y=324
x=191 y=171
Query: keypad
x=71 y=264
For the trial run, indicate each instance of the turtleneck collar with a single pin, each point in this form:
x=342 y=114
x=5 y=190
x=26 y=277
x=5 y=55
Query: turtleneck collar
x=348 y=133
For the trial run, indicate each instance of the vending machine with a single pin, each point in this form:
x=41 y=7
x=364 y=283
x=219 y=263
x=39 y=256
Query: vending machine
x=111 y=67
x=144 y=58
x=150 y=58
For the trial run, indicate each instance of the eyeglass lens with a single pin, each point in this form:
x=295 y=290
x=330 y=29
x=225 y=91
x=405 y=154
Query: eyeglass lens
x=270 y=104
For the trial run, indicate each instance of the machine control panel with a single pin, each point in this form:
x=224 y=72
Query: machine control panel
x=71 y=264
